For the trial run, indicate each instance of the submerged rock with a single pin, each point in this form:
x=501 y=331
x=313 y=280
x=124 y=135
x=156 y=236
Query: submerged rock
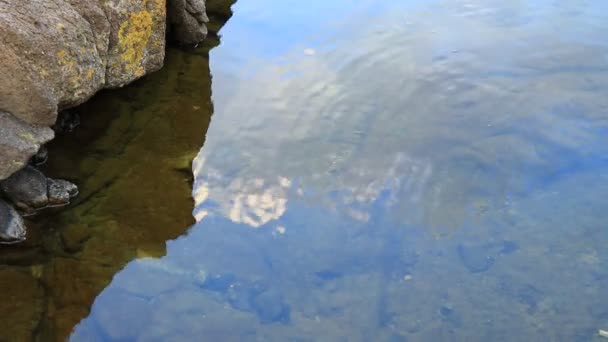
x=12 y=228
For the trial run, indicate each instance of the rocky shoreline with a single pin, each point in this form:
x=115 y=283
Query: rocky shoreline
x=59 y=60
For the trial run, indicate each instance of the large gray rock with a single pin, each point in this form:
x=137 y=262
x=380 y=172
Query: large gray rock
x=187 y=19
x=12 y=229
x=49 y=53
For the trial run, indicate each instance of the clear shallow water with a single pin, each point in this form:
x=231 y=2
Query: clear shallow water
x=419 y=171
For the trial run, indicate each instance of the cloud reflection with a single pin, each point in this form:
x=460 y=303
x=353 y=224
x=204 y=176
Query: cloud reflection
x=443 y=134
x=254 y=202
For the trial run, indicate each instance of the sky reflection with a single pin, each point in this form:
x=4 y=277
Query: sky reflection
x=429 y=170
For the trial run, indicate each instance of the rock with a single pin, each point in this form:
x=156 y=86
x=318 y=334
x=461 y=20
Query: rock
x=60 y=191
x=27 y=189
x=18 y=142
x=187 y=19
x=60 y=59
x=12 y=228
x=219 y=8
x=48 y=61
x=136 y=41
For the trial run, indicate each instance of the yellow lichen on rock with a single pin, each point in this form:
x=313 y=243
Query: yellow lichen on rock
x=133 y=38
x=136 y=45
x=90 y=73
x=27 y=136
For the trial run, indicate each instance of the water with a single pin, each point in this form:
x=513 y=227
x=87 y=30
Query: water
x=420 y=171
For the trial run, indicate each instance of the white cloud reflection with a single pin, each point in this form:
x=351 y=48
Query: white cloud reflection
x=254 y=202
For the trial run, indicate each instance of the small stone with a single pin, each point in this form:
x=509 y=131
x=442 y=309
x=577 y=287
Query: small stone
x=12 y=228
x=60 y=191
x=408 y=277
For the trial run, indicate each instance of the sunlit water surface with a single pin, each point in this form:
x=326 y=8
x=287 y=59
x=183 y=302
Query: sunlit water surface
x=390 y=171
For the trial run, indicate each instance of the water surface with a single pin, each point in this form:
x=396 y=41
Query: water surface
x=421 y=170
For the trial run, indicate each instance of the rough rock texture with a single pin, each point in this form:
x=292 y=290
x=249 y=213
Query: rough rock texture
x=187 y=20
x=51 y=59
x=137 y=39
